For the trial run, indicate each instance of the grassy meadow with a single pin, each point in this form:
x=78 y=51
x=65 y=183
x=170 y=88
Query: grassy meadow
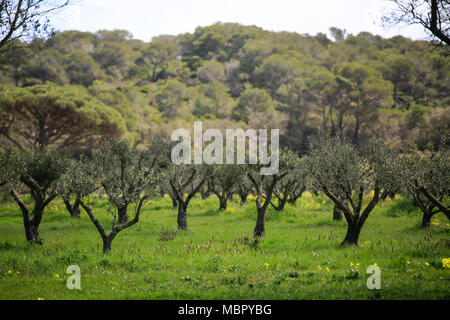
x=299 y=258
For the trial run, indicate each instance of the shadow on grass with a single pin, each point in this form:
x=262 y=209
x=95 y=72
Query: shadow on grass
x=323 y=223
x=208 y=213
x=18 y=246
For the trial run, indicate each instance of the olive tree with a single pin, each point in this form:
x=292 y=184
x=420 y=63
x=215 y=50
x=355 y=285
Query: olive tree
x=73 y=209
x=184 y=181
x=291 y=187
x=124 y=171
x=264 y=185
x=347 y=174
x=205 y=191
x=66 y=192
x=300 y=183
x=223 y=180
x=38 y=175
x=131 y=177
x=244 y=188
x=427 y=179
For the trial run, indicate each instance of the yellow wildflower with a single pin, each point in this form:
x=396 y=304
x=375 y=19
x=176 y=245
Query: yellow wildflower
x=446 y=263
x=427 y=264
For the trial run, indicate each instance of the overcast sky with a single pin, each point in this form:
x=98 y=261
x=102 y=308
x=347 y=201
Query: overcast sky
x=148 y=18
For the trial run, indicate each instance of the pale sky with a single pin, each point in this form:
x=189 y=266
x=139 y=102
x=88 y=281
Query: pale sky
x=148 y=18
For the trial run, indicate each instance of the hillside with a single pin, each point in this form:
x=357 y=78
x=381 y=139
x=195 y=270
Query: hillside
x=228 y=75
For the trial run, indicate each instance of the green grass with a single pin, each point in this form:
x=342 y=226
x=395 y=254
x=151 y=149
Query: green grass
x=218 y=259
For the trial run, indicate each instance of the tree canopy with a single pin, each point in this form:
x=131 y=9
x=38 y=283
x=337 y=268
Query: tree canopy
x=305 y=85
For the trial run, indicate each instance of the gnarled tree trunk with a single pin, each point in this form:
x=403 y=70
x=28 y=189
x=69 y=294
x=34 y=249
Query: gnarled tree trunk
x=352 y=235
x=182 y=217
x=243 y=195
x=32 y=233
x=74 y=209
x=107 y=241
x=122 y=211
x=292 y=200
x=32 y=225
x=426 y=221
x=222 y=203
x=337 y=213
x=260 y=224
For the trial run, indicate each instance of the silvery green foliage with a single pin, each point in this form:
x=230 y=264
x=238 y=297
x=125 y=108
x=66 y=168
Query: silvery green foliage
x=287 y=163
x=38 y=173
x=127 y=174
x=186 y=179
x=124 y=173
x=294 y=184
x=346 y=174
x=39 y=170
x=430 y=171
x=45 y=166
x=11 y=164
x=343 y=169
x=265 y=185
x=437 y=177
x=225 y=177
x=81 y=179
x=427 y=179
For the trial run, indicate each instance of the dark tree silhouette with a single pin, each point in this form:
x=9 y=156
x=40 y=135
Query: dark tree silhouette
x=433 y=15
x=26 y=19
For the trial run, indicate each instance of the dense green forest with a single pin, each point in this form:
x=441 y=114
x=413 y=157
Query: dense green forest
x=75 y=88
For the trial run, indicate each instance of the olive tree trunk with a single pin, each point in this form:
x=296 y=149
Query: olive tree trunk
x=243 y=195
x=426 y=221
x=223 y=203
x=352 y=235
x=74 y=209
x=337 y=213
x=174 y=202
x=122 y=211
x=182 y=217
x=260 y=229
x=31 y=225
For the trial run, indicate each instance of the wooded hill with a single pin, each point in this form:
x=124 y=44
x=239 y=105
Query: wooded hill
x=76 y=88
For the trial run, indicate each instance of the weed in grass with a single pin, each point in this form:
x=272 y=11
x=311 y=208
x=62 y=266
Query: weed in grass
x=167 y=234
